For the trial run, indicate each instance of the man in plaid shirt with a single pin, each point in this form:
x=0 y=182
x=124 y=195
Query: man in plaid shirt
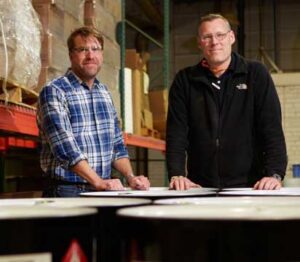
x=78 y=124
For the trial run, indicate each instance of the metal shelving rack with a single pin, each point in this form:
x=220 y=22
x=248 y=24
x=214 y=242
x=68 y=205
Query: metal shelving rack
x=142 y=144
x=135 y=140
x=18 y=138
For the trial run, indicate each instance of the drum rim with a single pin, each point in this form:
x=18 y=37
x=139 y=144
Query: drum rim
x=76 y=202
x=224 y=213
x=43 y=212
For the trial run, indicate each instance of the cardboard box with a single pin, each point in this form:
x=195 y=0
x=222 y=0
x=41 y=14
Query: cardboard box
x=146 y=103
x=147 y=120
x=158 y=100
x=160 y=123
x=47 y=74
x=159 y=106
x=75 y=8
x=58 y=3
x=133 y=59
x=54 y=53
x=70 y=24
x=96 y=15
x=51 y=18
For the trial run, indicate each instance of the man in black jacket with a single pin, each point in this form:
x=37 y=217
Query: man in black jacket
x=224 y=120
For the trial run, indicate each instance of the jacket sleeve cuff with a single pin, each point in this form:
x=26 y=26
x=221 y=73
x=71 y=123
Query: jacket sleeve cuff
x=277 y=176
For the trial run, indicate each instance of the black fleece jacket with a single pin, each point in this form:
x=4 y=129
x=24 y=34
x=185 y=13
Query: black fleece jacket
x=229 y=146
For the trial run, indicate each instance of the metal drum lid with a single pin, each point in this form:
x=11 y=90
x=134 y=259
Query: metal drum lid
x=20 y=202
x=23 y=212
x=232 y=201
x=284 y=191
x=153 y=192
x=237 y=189
x=99 y=202
x=76 y=202
x=228 y=212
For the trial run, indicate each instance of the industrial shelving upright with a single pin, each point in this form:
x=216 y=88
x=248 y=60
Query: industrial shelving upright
x=141 y=143
x=165 y=71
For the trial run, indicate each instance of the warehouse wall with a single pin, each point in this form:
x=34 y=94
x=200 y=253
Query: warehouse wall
x=288 y=87
x=287 y=38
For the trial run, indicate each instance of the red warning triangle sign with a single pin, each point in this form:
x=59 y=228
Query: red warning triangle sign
x=74 y=253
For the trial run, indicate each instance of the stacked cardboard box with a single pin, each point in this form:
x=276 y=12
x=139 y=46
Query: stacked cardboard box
x=104 y=15
x=58 y=18
x=133 y=60
x=159 y=107
x=142 y=115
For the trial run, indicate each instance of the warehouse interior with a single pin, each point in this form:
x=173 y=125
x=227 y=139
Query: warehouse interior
x=146 y=43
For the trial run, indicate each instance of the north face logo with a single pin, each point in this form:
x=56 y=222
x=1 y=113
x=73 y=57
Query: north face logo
x=242 y=87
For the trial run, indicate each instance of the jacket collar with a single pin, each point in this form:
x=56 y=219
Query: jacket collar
x=238 y=65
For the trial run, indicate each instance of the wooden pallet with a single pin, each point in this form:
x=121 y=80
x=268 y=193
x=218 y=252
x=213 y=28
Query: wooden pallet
x=19 y=95
x=150 y=132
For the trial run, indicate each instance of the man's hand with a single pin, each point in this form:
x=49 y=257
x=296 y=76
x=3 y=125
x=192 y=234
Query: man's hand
x=182 y=183
x=268 y=183
x=109 y=185
x=138 y=182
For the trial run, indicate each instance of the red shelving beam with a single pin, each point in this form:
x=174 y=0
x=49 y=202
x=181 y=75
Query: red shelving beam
x=18 y=119
x=22 y=120
x=8 y=142
x=146 y=142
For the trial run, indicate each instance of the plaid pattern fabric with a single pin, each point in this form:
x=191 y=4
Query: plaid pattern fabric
x=77 y=123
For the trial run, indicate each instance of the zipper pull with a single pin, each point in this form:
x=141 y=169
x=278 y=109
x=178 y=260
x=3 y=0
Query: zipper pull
x=217 y=142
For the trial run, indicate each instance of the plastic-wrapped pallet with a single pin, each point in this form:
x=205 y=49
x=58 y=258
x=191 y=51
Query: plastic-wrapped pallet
x=20 y=43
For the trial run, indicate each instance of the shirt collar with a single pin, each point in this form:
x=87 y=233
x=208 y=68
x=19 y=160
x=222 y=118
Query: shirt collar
x=76 y=81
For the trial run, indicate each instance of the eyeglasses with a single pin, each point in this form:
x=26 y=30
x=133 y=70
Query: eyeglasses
x=85 y=50
x=209 y=38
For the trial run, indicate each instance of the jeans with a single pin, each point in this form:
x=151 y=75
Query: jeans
x=65 y=190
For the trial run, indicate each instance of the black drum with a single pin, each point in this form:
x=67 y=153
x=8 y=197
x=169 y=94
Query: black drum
x=208 y=232
x=154 y=193
x=107 y=230
x=107 y=227
x=40 y=233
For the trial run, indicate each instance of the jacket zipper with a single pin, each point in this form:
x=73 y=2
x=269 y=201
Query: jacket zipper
x=218 y=161
x=218 y=149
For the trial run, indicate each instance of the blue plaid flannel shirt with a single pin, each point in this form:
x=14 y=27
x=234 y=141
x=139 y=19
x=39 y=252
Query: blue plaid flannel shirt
x=77 y=123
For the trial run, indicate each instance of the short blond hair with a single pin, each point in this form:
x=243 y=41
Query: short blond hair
x=85 y=32
x=211 y=17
